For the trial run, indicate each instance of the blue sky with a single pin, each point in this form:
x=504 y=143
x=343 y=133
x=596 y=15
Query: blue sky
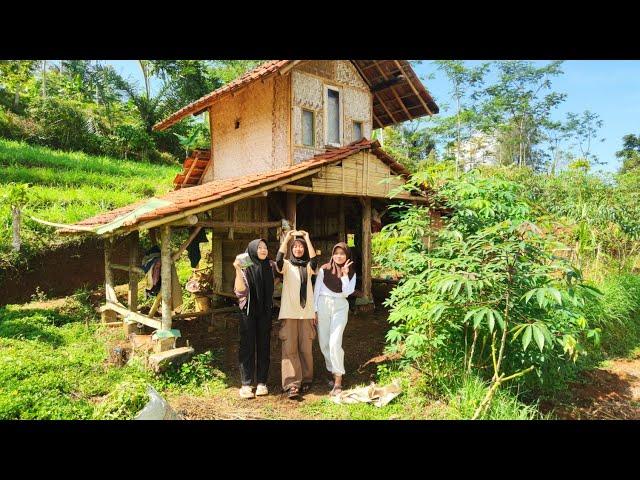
x=610 y=88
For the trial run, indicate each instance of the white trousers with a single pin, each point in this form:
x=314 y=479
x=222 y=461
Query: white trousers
x=332 y=319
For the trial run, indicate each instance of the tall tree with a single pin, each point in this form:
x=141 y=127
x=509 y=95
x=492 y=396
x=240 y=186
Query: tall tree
x=630 y=153
x=517 y=104
x=15 y=75
x=462 y=79
x=410 y=143
x=583 y=129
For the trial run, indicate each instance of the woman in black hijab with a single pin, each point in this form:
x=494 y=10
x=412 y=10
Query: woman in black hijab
x=254 y=289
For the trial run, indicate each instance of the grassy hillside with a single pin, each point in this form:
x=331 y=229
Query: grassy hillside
x=68 y=186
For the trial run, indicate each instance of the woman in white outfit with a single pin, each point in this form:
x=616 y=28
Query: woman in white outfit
x=336 y=281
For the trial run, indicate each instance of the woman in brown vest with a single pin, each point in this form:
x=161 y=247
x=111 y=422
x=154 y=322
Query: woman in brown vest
x=297 y=315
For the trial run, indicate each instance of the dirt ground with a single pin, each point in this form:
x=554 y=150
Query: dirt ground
x=60 y=271
x=363 y=340
x=611 y=392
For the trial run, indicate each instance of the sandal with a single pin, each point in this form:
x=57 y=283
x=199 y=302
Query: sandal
x=305 y=387
x=336 y=391
x=293 y=393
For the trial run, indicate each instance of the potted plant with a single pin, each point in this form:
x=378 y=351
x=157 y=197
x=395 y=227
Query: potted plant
x=201 y=286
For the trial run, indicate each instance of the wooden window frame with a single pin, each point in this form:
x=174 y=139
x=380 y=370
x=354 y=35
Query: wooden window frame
x=313 y=127
x=340 y=115
x=353 y=124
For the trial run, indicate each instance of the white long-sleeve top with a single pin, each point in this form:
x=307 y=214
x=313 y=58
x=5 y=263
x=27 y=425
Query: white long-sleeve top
x=348 y=287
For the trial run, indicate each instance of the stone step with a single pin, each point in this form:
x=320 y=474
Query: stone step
x=159 y=362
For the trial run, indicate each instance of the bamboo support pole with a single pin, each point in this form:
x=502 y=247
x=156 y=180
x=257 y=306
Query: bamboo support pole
x=165 y=256
x=187 y=242
x=342 y=229
x=156 y=305
x=134 y=238
x=366 y=247
x=109 y=291
x=225 y=224
x=127 y=268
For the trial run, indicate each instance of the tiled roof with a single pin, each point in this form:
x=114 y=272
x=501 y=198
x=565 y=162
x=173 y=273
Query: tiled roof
x=193 y=168
x=260 y=71
x=186 y=199
x=400 y=102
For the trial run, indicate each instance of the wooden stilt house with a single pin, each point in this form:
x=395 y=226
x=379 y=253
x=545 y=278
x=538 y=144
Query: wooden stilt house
x=289 y=140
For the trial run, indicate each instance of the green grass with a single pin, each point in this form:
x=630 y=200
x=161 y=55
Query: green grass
x=68 y=187
x=463 y=401
x=53 y=365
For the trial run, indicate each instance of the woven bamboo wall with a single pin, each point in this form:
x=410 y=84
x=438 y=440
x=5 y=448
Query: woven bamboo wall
x=308 y=82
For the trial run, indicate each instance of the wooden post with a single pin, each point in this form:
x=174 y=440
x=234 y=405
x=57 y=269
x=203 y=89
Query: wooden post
x=366 y=247
x=342 y=229
x=291 y=209
x=264 y=216
x=109 y=291
x=216 y=251
x=165 y=257
x=153 y=236
x=233 y=213
x=133 y=276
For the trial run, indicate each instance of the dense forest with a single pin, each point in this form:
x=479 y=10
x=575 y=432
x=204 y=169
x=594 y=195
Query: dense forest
x=533 y=278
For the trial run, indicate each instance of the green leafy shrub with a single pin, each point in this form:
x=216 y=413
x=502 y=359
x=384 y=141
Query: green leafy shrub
x=126 y=398
x=485 y=290
x=17 y=127
x=198 y=375
x=65 y=125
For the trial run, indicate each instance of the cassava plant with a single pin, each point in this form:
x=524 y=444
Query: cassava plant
x=478 y=289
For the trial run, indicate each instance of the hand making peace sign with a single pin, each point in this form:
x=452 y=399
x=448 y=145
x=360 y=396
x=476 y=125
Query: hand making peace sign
x=345 y=267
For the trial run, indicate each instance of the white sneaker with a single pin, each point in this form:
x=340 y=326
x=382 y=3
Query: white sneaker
x=246 y=392
x=262 y=390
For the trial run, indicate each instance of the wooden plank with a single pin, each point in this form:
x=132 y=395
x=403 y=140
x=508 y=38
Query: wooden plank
x=385 y=107
x=188 y=175
x=134 y=269
x=186 y=243
x=413 y=88
x=342 y=231
x=190 y=221
x=165 y=258
x=393 y=89
x=225 y=224
x=233 y=213
x=216 y=251
x=155 y=306
x=264 y=217
x=127 y=268
x=136 y=317
x=299 y=188
x=366 y=247
x=160 y=361
x=109 y=291
x=210 y=312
